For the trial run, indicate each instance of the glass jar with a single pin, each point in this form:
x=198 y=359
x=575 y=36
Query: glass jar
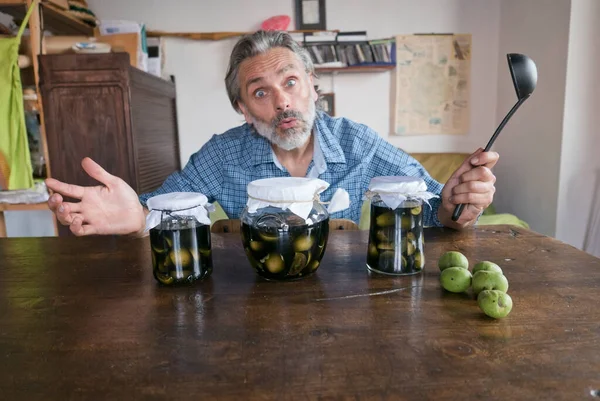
x=179 y=238
x=396 y=228
x=285 y=227
x=396 y=237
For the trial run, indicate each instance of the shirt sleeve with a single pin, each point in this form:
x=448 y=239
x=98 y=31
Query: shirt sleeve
x=388 y=160
x=203 y=173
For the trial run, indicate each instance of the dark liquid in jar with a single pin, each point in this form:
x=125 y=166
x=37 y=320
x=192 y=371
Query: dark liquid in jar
x=181 y=255
x=396 y=240
x=276 y=254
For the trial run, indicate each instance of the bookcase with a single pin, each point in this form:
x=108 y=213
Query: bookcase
x=333 y=51
x=46 y=17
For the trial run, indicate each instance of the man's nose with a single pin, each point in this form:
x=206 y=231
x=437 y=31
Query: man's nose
x=282 y=100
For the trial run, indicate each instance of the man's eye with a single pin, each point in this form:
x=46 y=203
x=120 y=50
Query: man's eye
x=291 y=82
x=259 y=93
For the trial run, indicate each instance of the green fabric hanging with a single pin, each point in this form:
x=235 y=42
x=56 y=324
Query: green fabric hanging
x=13 y=133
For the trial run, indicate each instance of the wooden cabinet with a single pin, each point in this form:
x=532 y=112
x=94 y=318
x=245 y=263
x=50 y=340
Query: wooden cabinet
x=97 y=105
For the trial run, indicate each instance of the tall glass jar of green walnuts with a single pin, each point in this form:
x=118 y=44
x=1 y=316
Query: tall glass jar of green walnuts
x=179 y=237
x=396 y=244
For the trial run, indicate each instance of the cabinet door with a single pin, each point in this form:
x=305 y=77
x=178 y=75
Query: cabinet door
x=87 y=121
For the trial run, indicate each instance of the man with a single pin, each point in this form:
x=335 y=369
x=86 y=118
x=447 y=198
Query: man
x=270 y=80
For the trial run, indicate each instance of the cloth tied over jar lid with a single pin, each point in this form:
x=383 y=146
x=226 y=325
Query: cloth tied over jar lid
x=295 y=194
x=393 y=190
x=178 y=204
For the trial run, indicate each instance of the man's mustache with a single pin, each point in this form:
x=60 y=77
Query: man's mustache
x=287 y=114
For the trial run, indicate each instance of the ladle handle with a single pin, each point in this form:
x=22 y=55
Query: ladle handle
x=503 y=123
x=459 y=208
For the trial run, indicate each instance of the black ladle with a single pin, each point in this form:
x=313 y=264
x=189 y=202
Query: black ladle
x=524 y=75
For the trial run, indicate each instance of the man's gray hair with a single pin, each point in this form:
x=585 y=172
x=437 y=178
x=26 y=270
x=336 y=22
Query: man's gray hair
x=257 y=43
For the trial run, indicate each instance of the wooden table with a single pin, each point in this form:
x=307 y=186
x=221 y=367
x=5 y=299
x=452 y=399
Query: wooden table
x=83 y=319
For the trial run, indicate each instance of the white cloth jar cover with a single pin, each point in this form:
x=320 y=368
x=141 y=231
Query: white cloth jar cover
x=393 y=190
x=178 y=204
x=295 y=194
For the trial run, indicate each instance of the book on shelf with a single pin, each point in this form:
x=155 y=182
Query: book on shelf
x=343 y=52
x=352 y=36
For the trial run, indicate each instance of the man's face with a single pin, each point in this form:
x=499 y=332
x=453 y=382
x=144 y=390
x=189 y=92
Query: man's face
x=278 y=97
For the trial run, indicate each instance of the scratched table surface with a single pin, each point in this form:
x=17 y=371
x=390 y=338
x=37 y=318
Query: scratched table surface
x=83 y=319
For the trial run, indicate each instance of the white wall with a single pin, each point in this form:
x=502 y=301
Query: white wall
x=200 y=67
x=530 y=144
x=580 y=164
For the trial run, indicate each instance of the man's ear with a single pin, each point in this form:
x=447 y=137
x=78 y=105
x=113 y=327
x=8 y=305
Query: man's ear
x=244 y=111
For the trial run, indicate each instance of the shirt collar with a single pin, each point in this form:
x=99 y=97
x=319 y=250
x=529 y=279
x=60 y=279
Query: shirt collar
x=330 y=145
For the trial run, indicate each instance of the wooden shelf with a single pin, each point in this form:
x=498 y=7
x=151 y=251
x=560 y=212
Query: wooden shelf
x=19 y=207
x=55 y=20
x=354 y=69
x=210 y=35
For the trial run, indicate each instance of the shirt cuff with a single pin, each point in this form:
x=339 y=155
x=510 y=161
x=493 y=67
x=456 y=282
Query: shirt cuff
x=435 y=205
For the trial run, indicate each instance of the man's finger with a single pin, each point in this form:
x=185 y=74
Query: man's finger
x=65 y=214
x=55 y=201
x=80 y=229
x=72 y=191
x=455 y=178
x=472 y=198
x=97 y=172
x=66 y=209
x=487 y=159
x=472 y=186
x=67 y=219
x=480 y=173
x=72 y=207
x=466 y=165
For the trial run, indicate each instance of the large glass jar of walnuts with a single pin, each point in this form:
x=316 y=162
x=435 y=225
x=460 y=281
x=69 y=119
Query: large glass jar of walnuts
x=285 y=226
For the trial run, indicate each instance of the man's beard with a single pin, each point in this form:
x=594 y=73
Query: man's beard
x=291 y=138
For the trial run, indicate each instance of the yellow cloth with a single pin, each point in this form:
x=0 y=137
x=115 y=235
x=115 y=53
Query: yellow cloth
x=13 y=132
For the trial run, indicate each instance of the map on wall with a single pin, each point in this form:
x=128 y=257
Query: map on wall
x=432 y=84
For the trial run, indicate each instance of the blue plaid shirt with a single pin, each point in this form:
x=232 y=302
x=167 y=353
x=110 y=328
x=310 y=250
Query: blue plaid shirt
x=353 y=154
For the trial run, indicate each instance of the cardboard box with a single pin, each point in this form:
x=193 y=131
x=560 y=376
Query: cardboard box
x=112 y=27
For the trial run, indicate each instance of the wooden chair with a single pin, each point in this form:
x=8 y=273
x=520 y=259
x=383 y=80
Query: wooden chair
x=234 y=225
x=226 y=226
x=342 y=224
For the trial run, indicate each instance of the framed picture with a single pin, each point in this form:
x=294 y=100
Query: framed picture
x=310 y=15
x=328 y=103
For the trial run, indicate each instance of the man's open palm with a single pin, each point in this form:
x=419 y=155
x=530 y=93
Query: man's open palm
x=111 y=208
